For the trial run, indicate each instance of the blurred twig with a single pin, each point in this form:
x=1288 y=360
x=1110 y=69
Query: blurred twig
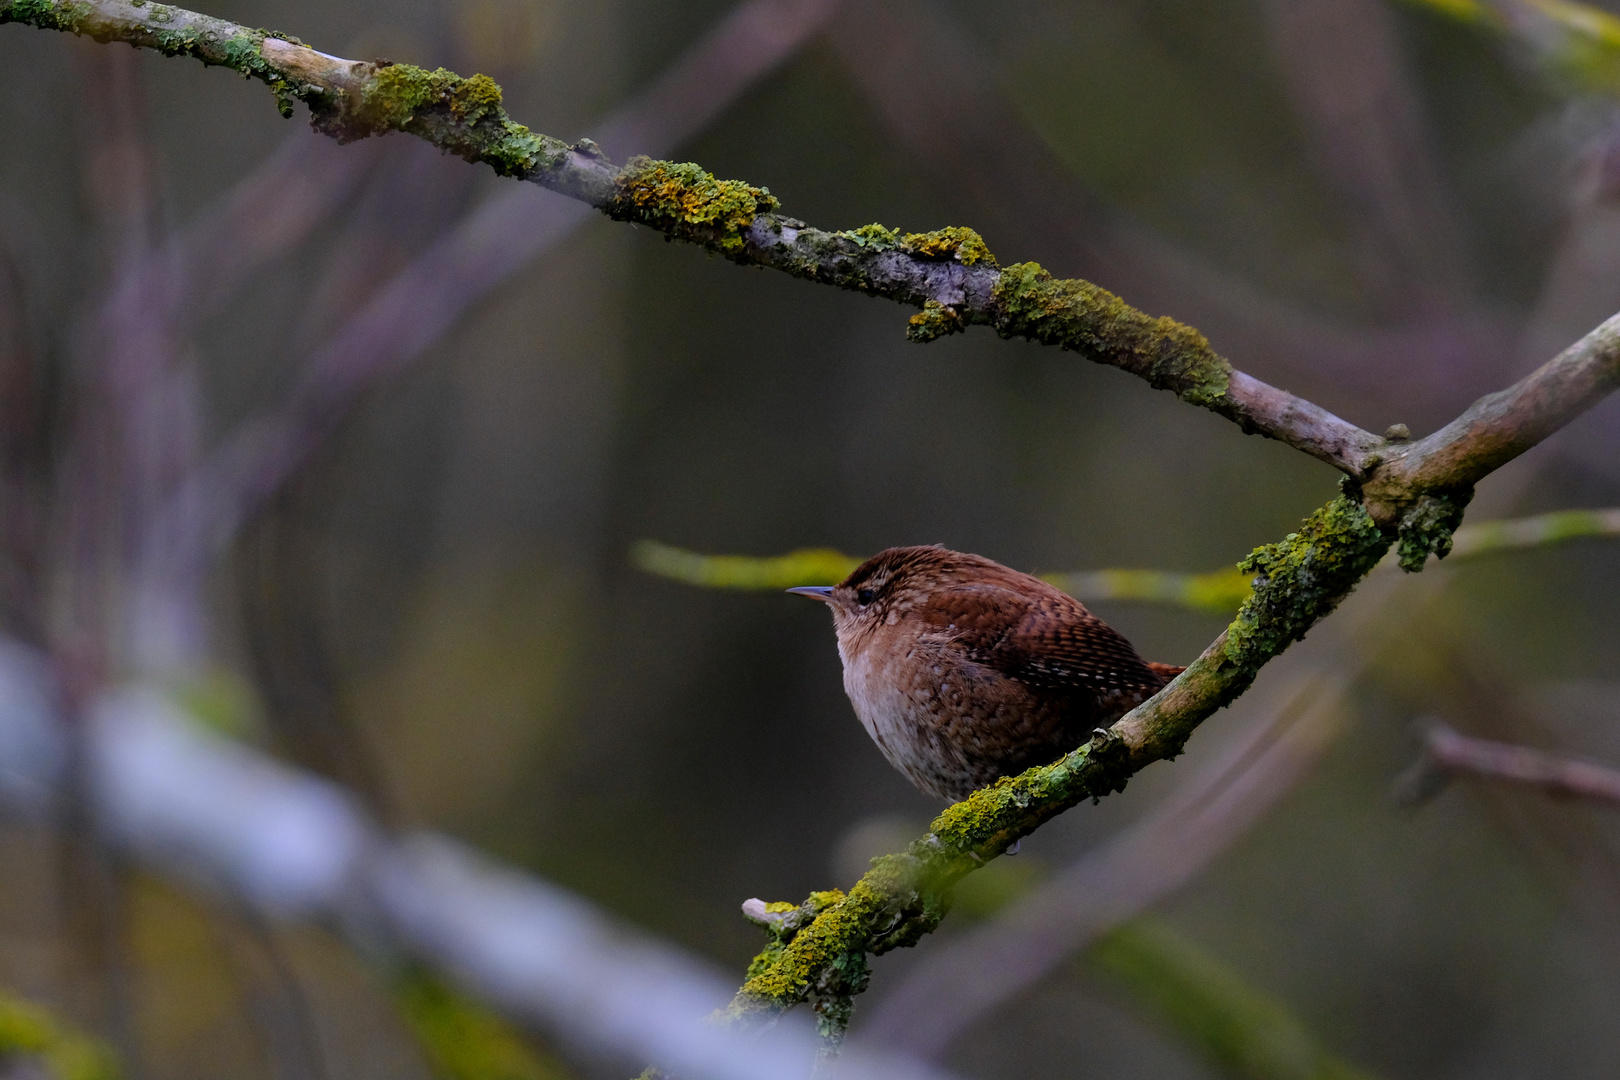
x=1577 y=42
x=462 y=1039
x=1221 y=591
x=27 y=1031
x=1542 y=530
x=213 y=811
x=1244 y=1031
x=1447 y=754
x=806 y=566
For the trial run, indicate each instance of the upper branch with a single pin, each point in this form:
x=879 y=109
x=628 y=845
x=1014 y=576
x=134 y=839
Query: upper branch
x=949 y=274
x=1499 y=427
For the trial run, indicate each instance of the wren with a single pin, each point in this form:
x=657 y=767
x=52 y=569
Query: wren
x=963 y=670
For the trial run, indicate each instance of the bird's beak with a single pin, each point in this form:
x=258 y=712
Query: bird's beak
x=815 y=592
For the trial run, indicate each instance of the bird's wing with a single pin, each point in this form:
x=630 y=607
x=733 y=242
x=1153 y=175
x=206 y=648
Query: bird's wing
x=1049 y=640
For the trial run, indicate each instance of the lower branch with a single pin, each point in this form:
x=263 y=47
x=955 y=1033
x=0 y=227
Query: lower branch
x=819 y=948
x=1447 y=754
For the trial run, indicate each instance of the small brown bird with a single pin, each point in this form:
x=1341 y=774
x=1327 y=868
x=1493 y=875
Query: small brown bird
x=963 y=670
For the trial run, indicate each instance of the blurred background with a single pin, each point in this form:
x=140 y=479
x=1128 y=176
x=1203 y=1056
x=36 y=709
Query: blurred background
x=345 y=451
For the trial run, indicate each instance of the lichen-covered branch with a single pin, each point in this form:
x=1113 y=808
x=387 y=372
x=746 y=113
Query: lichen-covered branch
x=949 y=274
x=1398 y=492
x=820 y=951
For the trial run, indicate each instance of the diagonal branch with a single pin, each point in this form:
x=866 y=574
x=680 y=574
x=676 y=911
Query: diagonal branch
x=949 y=273
x=1499 y=427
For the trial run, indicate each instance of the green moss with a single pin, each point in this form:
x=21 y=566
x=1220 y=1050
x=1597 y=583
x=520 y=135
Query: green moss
x=1078 y=315
x=905 y=896
x=474 y=98
x=685 y=202
x=48 y=15
x=827 y=955
x=397 y=91
x=935 y=320
x=1301 y=579
x=964 y=245
x=1425 y=528
x=242 y=53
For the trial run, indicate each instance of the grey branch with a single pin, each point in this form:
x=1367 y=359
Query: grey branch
x=1447 y=753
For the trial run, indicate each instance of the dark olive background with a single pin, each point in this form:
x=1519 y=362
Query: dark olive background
x=459 y=550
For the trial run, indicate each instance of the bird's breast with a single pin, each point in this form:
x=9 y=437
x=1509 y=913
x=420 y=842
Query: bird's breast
x=907 y=698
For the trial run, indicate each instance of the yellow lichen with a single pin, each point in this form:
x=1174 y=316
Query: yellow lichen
x=683 y=200
x=956 y=242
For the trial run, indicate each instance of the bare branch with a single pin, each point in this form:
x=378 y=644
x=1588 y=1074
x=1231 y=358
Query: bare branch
x=1448 y=753
x=1498 y=427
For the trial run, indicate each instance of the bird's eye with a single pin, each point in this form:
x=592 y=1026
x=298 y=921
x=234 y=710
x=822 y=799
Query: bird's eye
x=864 y=597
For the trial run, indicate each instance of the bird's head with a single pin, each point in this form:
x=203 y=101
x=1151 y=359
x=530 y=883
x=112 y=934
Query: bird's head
x=884 y=588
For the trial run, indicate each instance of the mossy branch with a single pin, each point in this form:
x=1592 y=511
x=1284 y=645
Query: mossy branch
x=948 y=274
x=818 y=952
x=1410 y=492
x=822 y=952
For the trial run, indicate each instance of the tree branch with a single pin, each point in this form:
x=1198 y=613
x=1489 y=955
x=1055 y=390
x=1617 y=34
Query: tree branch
x=1447 y=753
x=1414 y=493
x=950 y=274
x=1498 y=427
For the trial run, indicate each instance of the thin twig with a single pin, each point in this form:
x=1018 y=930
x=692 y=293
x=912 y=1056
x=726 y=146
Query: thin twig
x=1449 y=753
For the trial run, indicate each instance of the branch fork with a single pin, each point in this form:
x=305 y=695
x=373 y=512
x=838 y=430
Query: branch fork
x=1397 y=490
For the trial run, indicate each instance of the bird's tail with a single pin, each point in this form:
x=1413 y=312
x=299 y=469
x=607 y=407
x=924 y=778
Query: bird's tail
x=1165 y=671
